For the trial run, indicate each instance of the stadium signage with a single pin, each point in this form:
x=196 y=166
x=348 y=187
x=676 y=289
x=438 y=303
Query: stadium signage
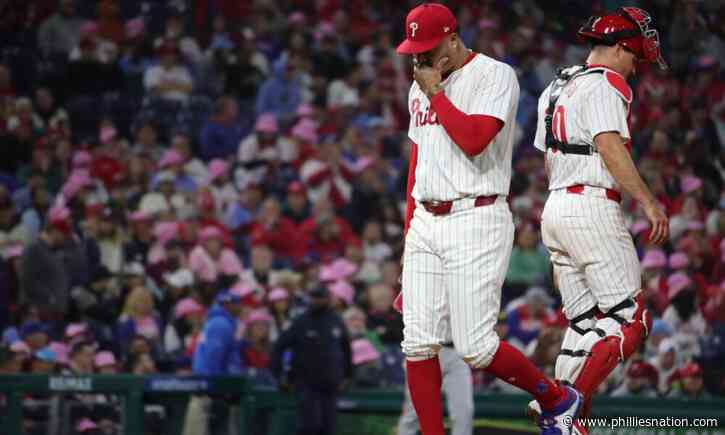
x=175 y=384
x=63 y=383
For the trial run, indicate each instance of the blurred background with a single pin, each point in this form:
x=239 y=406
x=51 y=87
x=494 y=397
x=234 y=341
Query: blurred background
x=155 y=153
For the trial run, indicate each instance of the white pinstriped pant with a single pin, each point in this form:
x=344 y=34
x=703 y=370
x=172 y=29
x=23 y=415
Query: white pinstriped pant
x=453 y=269
x=594 y=258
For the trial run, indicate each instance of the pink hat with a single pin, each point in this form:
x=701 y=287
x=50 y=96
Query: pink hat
x=278 y=294
x=258 y=315
x=165 y=231
x=89 y=27
x=676 y=283
x=266 y=123
x=58 y=214
x=14 y=251
x=654 y=258
x=337 y=270
x=306 y=130
x=305 y=109
x=363 y=351
x=76 y=181
x=61 y=351
x=135 y=27
x=170 y=158
x=487 y=24
x=639 y=226
x=75 y=329
x=678 y=260
x=86 y=424
x=217 y=168
x=363 y=163
x=81 y=159
x=104 y=359
x=296 y=17
x=343 y=291
x=188 y=306
x=208 y=233
x=19 y=346
x=107 y=134
x=241 y=289
x=689 y=183
x=138 y=216
x=695 y=225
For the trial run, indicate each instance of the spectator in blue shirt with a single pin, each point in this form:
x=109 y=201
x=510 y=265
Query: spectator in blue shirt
x=221 y=134
x=282 y=92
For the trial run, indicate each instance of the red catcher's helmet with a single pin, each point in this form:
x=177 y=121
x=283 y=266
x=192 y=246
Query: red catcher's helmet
x=629 y=27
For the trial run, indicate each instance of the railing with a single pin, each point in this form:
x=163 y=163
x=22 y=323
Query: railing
x=135 y=389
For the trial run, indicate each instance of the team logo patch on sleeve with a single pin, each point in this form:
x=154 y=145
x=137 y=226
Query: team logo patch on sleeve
x=620 y=85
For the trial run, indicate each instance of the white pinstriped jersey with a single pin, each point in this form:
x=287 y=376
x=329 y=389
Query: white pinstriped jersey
x=588 y=105
x=443 y=172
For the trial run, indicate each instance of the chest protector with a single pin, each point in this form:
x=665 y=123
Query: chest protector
x=563 y=77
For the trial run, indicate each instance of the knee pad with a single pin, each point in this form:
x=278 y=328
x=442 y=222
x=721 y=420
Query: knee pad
x=620 y=332
x=479 y=355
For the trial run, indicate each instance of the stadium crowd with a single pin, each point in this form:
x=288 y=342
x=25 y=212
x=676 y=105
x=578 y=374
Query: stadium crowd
x=155 y=153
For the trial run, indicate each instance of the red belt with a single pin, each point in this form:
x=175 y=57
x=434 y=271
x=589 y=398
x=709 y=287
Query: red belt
x=611 y=193
x=444 y=207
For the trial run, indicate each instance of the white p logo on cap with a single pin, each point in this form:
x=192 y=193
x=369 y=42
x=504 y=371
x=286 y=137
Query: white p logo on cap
x=413 y=28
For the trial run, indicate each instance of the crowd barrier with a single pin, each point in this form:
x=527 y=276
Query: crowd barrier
x=357 y=408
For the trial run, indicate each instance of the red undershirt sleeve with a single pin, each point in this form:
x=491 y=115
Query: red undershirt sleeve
x=409 y=201
x=472 y=133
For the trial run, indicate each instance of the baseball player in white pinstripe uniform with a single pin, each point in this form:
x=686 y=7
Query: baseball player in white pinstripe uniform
x=459 y=229
x=583 y=129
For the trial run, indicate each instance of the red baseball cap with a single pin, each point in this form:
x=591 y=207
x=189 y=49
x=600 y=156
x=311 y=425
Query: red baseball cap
x=425 y=27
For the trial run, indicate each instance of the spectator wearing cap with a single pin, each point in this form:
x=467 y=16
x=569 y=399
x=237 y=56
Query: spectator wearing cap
x=342 y=295
x=105 y=363
x=329 y=175
x=80 y=359
x=43 y=361
x=281 y=93
x=217 y=353
x=35 y=335
x=382 y=318
x=258 y=343
x=61 y=32
x=325 y=233
x=212 y=262
x=666 y=364
x=654 y=263
x=183 y=330
x=526 y=316
x=48 y=266
x=319 y=368
x=296 y=206
x=173 y=161
x=278 y=232
x=689 y=382
x=169 y=80
x=640 y=381
x=265 y=152
x=139 y=318
x=220 y=185
x=684 y=314
x=220 y=135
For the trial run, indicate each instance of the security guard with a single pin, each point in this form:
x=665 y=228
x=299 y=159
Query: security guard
x=320 y=366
